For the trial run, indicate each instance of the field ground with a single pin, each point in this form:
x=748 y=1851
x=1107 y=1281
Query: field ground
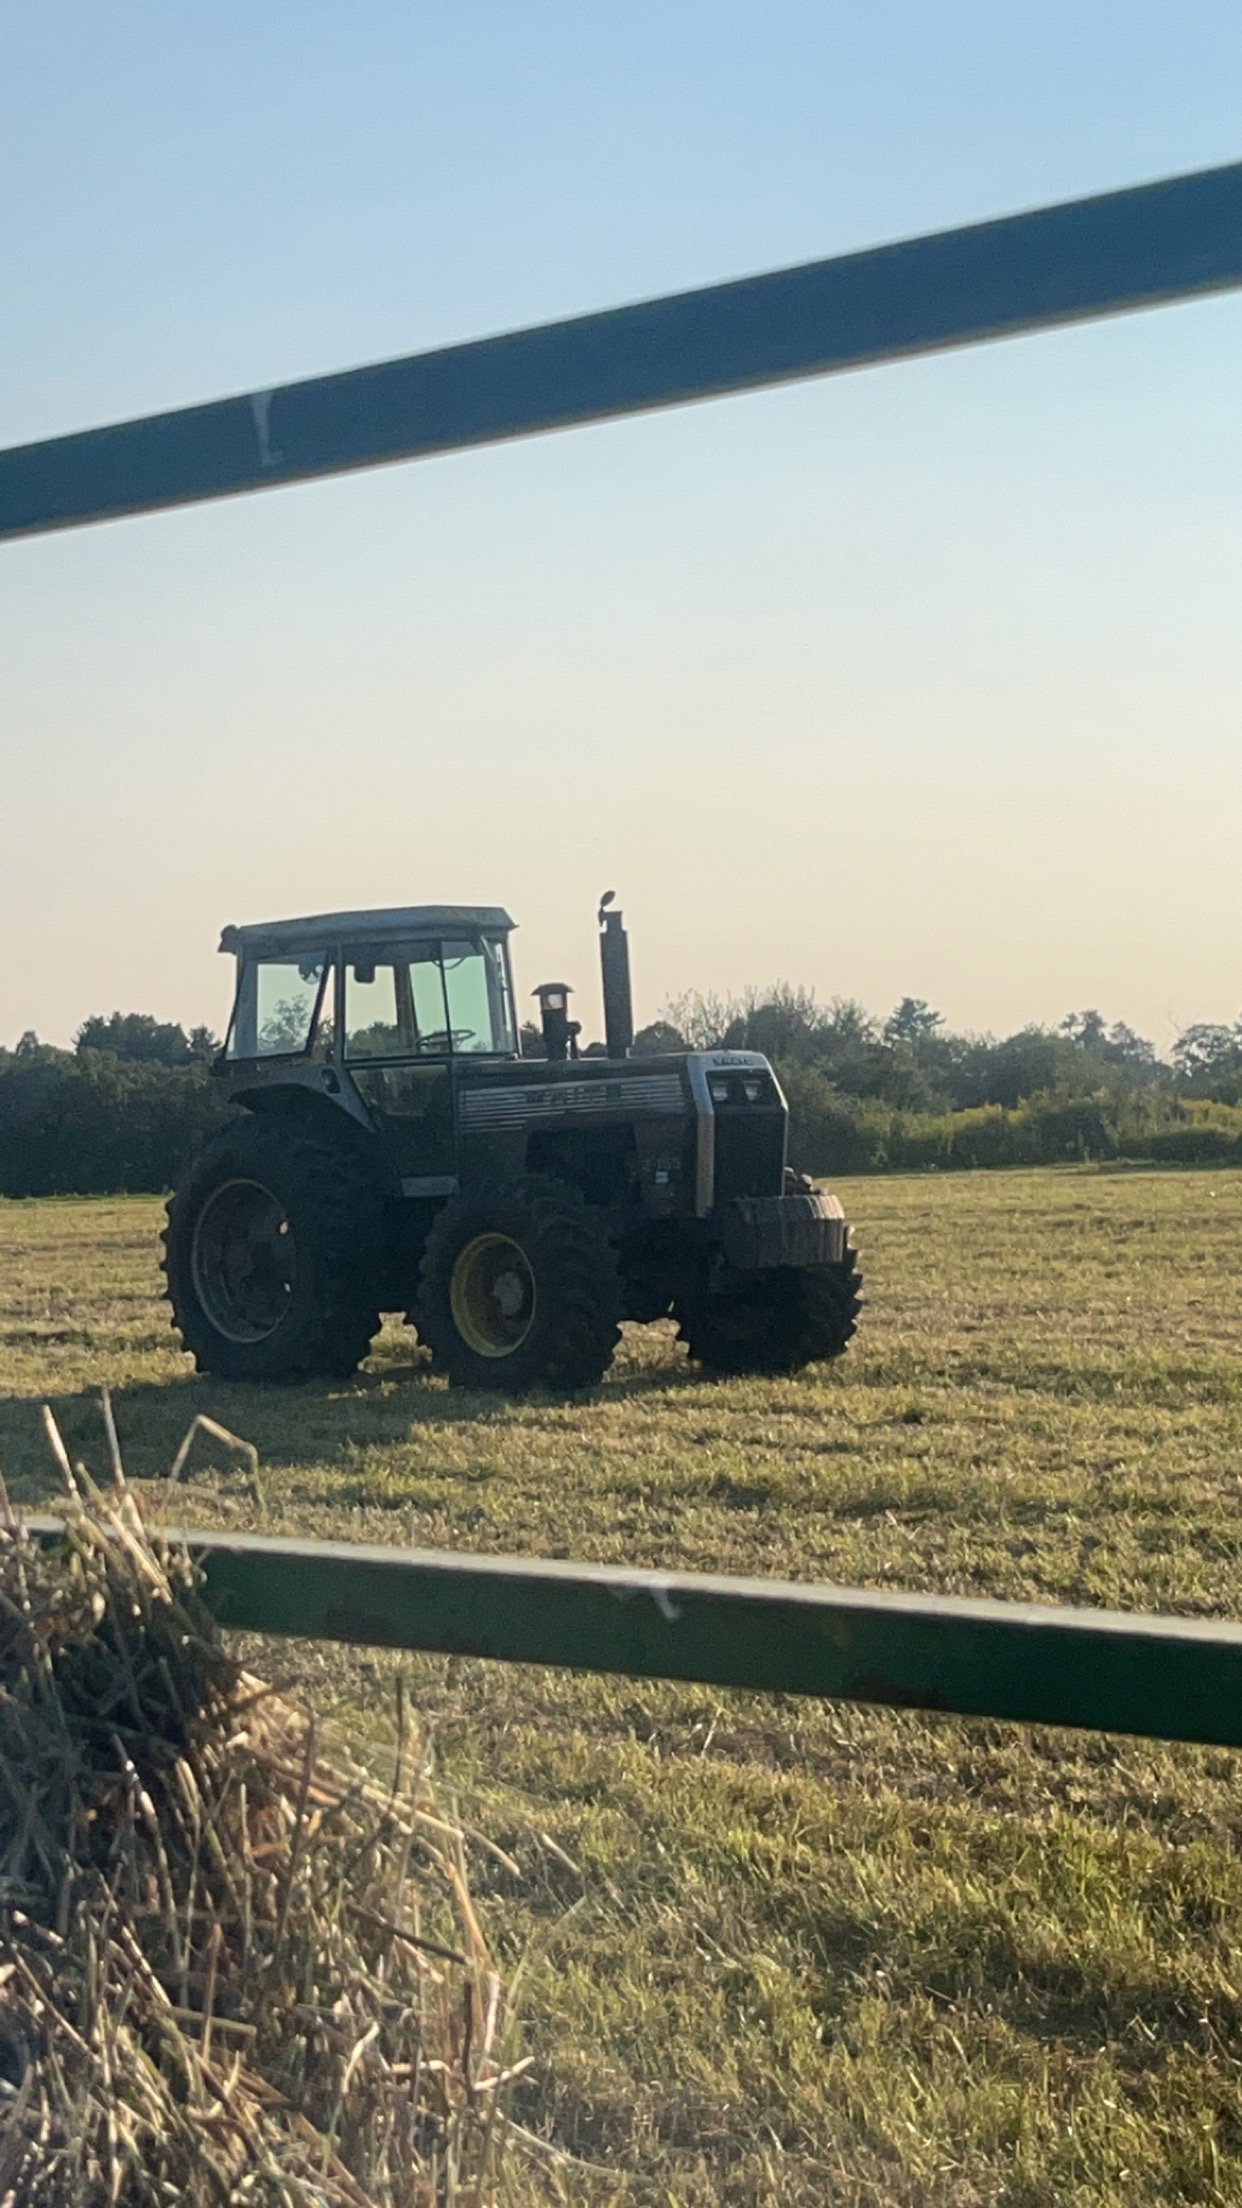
x=777 y=1951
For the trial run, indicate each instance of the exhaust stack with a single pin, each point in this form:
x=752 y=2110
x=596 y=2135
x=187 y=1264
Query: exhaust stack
x=614 y=958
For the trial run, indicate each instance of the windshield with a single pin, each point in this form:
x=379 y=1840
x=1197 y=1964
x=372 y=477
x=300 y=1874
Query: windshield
x=428 y=999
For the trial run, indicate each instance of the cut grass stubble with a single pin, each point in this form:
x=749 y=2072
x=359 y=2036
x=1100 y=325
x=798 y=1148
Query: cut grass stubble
x=771 y=1950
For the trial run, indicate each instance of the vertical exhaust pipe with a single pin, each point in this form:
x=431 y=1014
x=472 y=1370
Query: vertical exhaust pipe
x=614 y=958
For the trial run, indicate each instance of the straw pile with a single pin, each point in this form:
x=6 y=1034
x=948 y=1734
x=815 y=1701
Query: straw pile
x=233 y=1968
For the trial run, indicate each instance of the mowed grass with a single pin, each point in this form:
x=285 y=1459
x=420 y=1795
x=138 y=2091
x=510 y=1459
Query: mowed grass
x=766 y=1950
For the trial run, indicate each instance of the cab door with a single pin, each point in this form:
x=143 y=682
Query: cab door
x=407 y=1090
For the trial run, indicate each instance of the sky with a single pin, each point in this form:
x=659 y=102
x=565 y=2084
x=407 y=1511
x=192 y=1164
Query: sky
x=921 y=680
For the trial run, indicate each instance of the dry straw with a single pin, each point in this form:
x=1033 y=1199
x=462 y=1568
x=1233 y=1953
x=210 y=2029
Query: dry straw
x=234 y=1968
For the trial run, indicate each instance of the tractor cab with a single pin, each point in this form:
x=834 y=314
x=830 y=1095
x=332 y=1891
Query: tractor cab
x=372 y=988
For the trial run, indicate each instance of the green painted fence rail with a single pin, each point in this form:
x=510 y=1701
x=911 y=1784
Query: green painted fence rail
x=1178 y=238
x=1169 y=1678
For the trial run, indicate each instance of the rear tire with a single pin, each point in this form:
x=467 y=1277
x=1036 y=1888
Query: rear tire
x=520 y=1287
x=778 y=1323
x=273 y=1253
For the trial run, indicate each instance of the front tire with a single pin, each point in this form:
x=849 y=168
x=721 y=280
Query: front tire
x=779 y=1322
x=520 y=1287
x=272 y=1255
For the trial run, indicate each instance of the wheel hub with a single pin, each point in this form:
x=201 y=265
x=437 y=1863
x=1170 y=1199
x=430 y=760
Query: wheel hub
x=244 y=1260
x=492 y=1295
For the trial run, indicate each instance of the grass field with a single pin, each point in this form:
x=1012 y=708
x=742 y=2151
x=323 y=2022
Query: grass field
x=774 y=1951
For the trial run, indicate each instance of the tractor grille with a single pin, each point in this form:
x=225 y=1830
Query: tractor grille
x=750 y=1151
x=513 y=1104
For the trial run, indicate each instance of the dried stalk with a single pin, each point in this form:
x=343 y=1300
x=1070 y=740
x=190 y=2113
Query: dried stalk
x=212 y=1991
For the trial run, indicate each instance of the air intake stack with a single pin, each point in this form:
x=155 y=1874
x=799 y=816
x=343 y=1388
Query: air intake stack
x=560 y=1033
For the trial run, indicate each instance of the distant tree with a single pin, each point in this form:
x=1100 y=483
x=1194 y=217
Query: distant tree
x=203 y=1044
x=1117 y=1048
x=846 y=1047
x=660 y=1036
x=1087 y=1029
x=1123 y=1047
x=1029 y=1063
x=701 y=1016
x=136 y=1036
x=791 y=1025
x=1207 y=1055
x=912 y=1023
x=782 y=1021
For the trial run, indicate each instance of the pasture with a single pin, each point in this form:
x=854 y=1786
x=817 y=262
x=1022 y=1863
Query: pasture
x=771 y=1951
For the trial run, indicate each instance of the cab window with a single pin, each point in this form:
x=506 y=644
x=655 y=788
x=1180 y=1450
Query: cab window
x=278 y=1005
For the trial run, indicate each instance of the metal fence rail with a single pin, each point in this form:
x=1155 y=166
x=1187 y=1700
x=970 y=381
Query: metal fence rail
x=1172 y=1678
x=1174 y=239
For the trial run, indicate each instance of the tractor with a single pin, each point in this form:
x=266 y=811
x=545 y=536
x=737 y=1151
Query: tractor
x=394 y=1150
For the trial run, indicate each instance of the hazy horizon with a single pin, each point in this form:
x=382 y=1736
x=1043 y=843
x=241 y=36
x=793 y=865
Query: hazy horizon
x=924 y=680
x=587 y=1007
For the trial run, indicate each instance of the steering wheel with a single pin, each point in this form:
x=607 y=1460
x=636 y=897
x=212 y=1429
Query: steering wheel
x=453 y=1038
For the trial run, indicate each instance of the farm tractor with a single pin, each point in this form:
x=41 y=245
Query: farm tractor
x=394 y=1151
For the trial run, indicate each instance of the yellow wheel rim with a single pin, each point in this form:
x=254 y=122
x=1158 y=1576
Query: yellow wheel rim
x=492 y=1295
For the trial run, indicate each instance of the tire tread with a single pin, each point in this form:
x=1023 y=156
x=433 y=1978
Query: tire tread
x=573 y=1236
x=338 y=1194
x=778 y=1324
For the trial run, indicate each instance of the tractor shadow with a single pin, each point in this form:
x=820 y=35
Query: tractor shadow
x=318 y=1422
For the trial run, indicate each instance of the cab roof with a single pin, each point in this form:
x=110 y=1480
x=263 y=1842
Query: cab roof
x=321 y=931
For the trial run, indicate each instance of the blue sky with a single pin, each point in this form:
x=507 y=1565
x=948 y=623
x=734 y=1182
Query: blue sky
x=926 y=679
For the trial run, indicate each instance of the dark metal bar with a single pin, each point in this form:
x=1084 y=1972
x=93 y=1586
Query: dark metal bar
x=1172 y=1678
x=1174 y=239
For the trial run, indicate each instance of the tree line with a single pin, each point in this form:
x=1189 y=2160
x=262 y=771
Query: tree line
x=124 y=1107
x=868 y=1095
x=120 y=1111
